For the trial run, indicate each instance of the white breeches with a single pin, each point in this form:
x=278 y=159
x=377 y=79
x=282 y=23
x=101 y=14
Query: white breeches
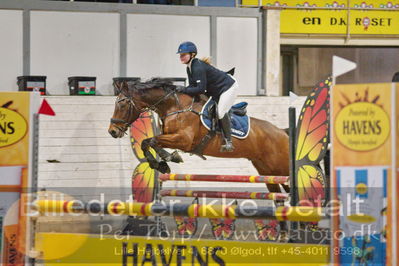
x=226 y=100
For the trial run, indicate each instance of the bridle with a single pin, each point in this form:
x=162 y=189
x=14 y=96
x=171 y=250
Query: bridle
x=115 y=121
x=132 y=105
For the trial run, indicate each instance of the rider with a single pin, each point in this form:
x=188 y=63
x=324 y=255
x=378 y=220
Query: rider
x=206 y=79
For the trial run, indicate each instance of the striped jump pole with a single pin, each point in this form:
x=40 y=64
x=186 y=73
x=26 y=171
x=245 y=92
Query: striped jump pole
x=226 y=178
x=224 y=194
x=283 y=213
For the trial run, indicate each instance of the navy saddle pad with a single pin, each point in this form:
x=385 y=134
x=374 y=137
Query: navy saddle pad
x=240 y=124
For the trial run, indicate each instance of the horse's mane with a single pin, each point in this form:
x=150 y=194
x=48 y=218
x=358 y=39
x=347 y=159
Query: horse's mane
x=157 y=83
x=164 y=83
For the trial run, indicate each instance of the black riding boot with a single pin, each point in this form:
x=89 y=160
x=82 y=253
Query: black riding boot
x=225 y=122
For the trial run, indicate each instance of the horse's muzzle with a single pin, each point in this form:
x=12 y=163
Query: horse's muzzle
x=116 y=132
x=113 y=133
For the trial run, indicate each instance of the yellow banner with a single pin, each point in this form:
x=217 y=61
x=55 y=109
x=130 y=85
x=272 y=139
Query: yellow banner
x=14 y=161
x=326 y=3
x=362 y=156
x=336 y=21
x=14 y=128
x=315 y=21
x=79 y=249
x=16 y=112
x=361 y=124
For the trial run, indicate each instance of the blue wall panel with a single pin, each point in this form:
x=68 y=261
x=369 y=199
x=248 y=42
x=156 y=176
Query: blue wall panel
x=229 y=3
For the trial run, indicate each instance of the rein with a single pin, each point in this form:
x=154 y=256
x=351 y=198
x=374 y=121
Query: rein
x=152 y=108
x=189 y=109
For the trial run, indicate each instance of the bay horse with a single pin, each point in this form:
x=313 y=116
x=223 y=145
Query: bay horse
x=266 y=145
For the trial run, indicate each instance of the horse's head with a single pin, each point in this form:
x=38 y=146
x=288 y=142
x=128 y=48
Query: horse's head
x=125 y=113
x=141 y=97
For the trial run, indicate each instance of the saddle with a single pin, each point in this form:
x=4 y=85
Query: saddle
x=239 y=109
x=240 y=126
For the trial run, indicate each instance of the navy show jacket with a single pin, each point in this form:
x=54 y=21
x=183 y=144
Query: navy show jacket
x=206 y=79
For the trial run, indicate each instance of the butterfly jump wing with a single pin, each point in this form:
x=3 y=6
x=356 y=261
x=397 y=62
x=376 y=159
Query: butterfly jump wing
x=143 y=180
x=311 y=146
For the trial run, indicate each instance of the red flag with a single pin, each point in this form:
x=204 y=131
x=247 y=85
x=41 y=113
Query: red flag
x=45 y=109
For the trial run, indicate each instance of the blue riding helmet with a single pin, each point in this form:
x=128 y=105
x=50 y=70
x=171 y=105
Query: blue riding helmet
x=187 y=47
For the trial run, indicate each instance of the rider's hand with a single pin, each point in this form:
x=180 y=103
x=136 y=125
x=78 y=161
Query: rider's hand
x=180 y=89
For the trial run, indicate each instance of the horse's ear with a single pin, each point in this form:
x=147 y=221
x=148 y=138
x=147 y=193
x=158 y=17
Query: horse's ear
x=117 y=86
x=124 y=88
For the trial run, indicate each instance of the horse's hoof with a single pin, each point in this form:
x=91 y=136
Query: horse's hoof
x=176 y=158
x=163 y=167
x=165 y=156
x=153 y=165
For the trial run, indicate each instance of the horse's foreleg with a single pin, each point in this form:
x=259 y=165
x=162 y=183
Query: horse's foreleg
x=145 y=147
x=175 y=141
x=154 y=164
x=155 y=143
x=167 y=141
x=166 y=156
